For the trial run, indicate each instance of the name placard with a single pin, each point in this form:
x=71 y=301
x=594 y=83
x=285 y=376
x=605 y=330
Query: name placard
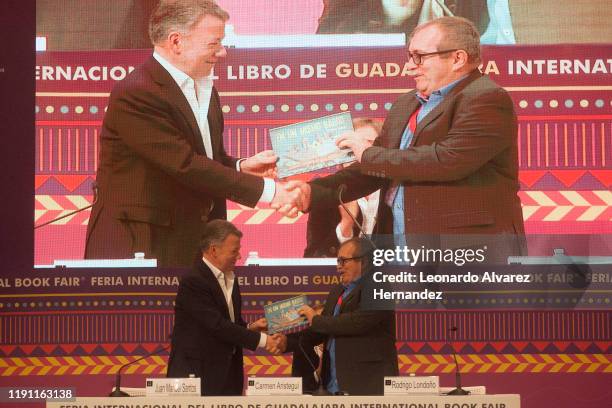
x=274 y=386
x=412 y=385
x=165 y=387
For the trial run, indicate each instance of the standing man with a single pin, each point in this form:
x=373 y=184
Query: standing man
x=359 y=344
x=163 y=169
x=446 y=159
x=209 y=332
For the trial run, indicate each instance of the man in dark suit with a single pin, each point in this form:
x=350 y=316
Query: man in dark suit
x=359 y=343
x=163 y=170
x=446 y=159
x=209 y=332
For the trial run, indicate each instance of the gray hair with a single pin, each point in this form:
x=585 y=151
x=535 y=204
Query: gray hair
x=363 y=248
x=215 y=232
x=459 y=33
x=181 y=16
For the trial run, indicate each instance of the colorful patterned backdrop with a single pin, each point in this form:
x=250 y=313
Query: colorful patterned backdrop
x=562 y=94
x=78 y=326
x=79 y=332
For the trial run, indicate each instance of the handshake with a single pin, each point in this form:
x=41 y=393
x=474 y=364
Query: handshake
x=290 y=196
x=275 y=343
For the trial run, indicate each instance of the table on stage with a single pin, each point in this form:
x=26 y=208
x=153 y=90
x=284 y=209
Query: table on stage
x=305 y=401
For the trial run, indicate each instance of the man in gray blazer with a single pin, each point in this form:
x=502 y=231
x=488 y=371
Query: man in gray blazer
x=446 y=159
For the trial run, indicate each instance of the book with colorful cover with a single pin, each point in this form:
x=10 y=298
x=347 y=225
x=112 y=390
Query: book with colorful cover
x=283 y=315
x=311 y=145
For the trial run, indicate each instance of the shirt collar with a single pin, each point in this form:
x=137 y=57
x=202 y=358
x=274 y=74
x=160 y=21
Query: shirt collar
x=181 y=78
x=216 y=271
x=440 y=93
x=352 y=285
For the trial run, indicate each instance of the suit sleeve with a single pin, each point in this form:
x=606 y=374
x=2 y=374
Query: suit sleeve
x=306 y=338
x=197 y=299
x=484 y=125
x=142 y=119
x=325 y=190
x=353 y=323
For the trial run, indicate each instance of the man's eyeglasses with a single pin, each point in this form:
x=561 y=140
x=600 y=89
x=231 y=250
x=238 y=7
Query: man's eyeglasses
x=417 y=57
x=342 y=261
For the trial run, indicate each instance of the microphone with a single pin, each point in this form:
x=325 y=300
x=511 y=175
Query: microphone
x=458 y=390
x=321 y=390
x=341 y=190
x=117 y=391
x=94 y=187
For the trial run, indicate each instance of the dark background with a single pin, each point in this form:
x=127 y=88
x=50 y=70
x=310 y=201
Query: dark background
x=17 y=60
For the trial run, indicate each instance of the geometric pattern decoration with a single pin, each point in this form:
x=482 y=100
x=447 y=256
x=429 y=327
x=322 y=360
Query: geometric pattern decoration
x=140 y=331
x=281 y=365
x=49 y=207
x=409 y=348
x=549 y=180
x=546 y=206
x=80 y=350
x=80 y=365
x=506 y=347
x=506 y=363
x=559 y=206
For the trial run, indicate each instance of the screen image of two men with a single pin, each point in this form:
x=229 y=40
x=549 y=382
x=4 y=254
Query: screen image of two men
x=445 y=162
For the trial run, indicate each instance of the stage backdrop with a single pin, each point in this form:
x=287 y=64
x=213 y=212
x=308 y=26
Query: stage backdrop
x=562 y=94
x=550 y=342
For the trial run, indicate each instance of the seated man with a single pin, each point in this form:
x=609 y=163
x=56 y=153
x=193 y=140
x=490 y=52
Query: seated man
x=209 y=332
x=359 y=344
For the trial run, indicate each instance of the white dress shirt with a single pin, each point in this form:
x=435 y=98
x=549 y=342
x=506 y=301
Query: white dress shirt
x=198 y=95
x=369 y=208
x=226 y=282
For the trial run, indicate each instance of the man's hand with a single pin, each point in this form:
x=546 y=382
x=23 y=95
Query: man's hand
x=282 y=342
x=358 y=140
x=276 y=343
x=259 y=325
x=308 y=312
x=291 y=197
x=263 y=164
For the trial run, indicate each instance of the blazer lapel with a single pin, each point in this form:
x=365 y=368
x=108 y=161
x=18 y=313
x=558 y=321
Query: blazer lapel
x=236 y=302
x=430 y=117
x=214 y=285
x=446 y=102
x=396 y=132
x=351 y=298
x=215 y=123
x=178 y=100
x=333 y=298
